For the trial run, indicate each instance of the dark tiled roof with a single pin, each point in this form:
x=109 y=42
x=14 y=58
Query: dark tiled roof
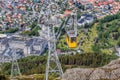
x=81 y=20
x=29 y=42
x=4 y=41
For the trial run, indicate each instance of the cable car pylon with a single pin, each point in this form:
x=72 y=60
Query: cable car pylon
x=53 y=66
x=15 y=71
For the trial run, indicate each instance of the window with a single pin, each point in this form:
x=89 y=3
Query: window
x=73 y=39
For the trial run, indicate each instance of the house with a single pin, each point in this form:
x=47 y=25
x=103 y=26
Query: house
x=81 y=22
x=85 y=19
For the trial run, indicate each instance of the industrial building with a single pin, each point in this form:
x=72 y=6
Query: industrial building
x=25 y=46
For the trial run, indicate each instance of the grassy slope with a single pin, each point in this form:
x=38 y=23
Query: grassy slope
x=89 y=40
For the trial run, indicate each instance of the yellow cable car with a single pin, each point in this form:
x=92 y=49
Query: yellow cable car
x=71 y=37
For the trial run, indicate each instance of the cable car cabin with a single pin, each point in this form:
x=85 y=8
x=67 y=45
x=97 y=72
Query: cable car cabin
x=71 y=39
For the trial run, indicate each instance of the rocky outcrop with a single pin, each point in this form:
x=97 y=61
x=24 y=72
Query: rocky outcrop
x=107 y=72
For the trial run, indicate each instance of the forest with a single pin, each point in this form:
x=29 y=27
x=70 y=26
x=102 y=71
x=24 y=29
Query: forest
x=37 y=64
x=108 y=30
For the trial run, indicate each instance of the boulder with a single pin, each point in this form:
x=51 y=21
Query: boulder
x=110 y=71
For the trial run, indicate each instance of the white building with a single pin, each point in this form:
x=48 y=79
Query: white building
x=26 y=46
x=85 y=19
x=118 y=51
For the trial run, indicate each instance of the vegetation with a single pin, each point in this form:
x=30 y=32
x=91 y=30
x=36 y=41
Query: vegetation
x=34 y=77
x=3 y=77
x=100 y=37
x=11 y=30
x=33 y=30
x=56 y=29
x=108 y=33
x=37 y=64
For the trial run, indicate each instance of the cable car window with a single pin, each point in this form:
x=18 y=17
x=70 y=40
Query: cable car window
x=73 y=39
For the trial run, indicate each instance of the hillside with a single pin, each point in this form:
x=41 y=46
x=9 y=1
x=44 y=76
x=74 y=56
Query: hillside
x=110 y=71
x=101 y=36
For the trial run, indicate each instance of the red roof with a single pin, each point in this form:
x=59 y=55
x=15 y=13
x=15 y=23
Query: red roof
x=70 y=2
x=67 y=12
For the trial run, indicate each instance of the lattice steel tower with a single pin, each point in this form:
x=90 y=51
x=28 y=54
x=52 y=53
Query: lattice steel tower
x=1 y=62
x=15 y=71
x=53 y=66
